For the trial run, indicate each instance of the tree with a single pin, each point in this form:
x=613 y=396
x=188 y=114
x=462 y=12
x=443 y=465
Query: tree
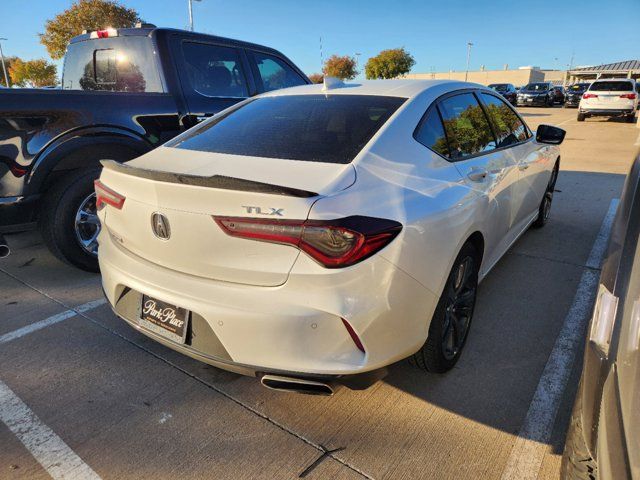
x=343 y=68
x=85 y=15
x=389 y=64
x=33 y=73
x=8 y=62
x=316 y=77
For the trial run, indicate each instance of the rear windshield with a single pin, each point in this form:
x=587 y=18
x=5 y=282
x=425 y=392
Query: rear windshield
x=119 y=64
x=314 y=128
x=499 y=87
x=541 y=87
x=612 y=86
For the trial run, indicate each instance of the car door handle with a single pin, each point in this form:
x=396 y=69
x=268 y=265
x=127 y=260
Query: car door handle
x=477 y=175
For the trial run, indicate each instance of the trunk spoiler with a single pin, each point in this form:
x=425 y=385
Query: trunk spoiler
x=216 y=181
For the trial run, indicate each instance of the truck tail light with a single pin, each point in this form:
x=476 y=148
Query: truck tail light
x=106 y=196
x=589 y=95
x=332 y=243
x=630 y=96
x=106 y=33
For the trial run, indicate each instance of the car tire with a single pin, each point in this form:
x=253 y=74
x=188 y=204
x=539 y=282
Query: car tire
x=581 y=117
x=59 y=222
x=631 y=119
x=544 y=210
x=577 y=463
x=435 y=356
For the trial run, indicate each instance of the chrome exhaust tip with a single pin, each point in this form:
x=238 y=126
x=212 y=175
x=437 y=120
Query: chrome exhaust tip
x=4 y=248
x=297 y=385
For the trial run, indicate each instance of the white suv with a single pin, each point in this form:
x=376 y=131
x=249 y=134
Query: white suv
x=612 y=97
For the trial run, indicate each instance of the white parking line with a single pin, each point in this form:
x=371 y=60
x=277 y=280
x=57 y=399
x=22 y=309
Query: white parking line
x=47 y=448
x=21 y=332
x=528 y=451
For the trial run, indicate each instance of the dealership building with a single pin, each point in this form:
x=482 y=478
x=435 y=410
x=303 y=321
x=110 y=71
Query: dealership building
x=523 y=75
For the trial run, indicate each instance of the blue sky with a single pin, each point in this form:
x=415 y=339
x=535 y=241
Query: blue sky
x=435 y=32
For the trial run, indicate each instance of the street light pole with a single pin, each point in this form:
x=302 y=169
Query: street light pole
x=191 y=13
x=4 y=68
x=466 y=73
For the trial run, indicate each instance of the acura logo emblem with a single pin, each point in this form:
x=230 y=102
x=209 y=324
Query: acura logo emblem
x=160 y=226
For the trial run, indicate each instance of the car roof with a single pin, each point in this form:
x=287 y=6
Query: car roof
x=405 y=88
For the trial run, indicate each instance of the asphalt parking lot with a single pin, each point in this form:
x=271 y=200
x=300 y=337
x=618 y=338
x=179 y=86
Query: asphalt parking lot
x=82 y=395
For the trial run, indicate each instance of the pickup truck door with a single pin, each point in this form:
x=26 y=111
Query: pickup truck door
x=213 y=76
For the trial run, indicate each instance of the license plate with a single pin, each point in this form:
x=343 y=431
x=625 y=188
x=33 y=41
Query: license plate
x=529 y=100
x=163 y=318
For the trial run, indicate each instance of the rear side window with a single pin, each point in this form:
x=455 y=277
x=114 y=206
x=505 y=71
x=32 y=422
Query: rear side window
x=275 y=73
x=214 y=71
x=467 y=128
x=313 y=128
x=119 y=64
x=508 y=127
x=612 y=86
x=430 y=133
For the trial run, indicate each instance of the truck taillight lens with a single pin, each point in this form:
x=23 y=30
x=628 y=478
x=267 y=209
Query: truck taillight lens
x=589 y=95
x=106 y=196
x=106 y=33
x=630 y=96
x=332 y=243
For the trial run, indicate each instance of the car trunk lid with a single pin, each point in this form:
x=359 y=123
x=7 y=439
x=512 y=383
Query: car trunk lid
x=188 y=187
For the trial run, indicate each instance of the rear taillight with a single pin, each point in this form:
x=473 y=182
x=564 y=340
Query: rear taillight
x=106 y=196
x=589 y=95
x=332 y=243
x=630 y=96
x=106 y=33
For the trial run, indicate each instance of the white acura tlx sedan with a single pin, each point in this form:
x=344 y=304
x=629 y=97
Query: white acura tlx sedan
x=312 y=236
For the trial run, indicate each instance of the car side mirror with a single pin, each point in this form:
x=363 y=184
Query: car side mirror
x=550 y=134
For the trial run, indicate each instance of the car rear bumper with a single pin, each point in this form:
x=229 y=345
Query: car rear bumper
x=294 y=329
x=605 y=112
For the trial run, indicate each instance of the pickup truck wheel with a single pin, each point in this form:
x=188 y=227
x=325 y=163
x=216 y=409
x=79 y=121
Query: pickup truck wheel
x=68 y=220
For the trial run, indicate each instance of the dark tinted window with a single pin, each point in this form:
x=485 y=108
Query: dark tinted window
x=467 y=127
x=537 y=87
x=612 y=86
x=578 y=87
x=430 y=133
x=315 y=128
x=120 y=64
x=509 y=128
x=214 y=71
x=499 y=87
x=275 y=73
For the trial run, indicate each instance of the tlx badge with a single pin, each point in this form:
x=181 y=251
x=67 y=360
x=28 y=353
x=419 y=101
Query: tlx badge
x=259 y=211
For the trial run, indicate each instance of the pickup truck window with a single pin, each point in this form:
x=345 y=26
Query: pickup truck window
x=119 y=64
x=214 y=71
x=275 y=73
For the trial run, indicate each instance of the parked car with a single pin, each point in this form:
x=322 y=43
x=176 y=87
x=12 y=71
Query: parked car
x=124 y=92
x=315 y=235
x=507 y=90
x=559 y=96
x=574 y=94
x=604 y=433
x=609 y=98
x=536 y=94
